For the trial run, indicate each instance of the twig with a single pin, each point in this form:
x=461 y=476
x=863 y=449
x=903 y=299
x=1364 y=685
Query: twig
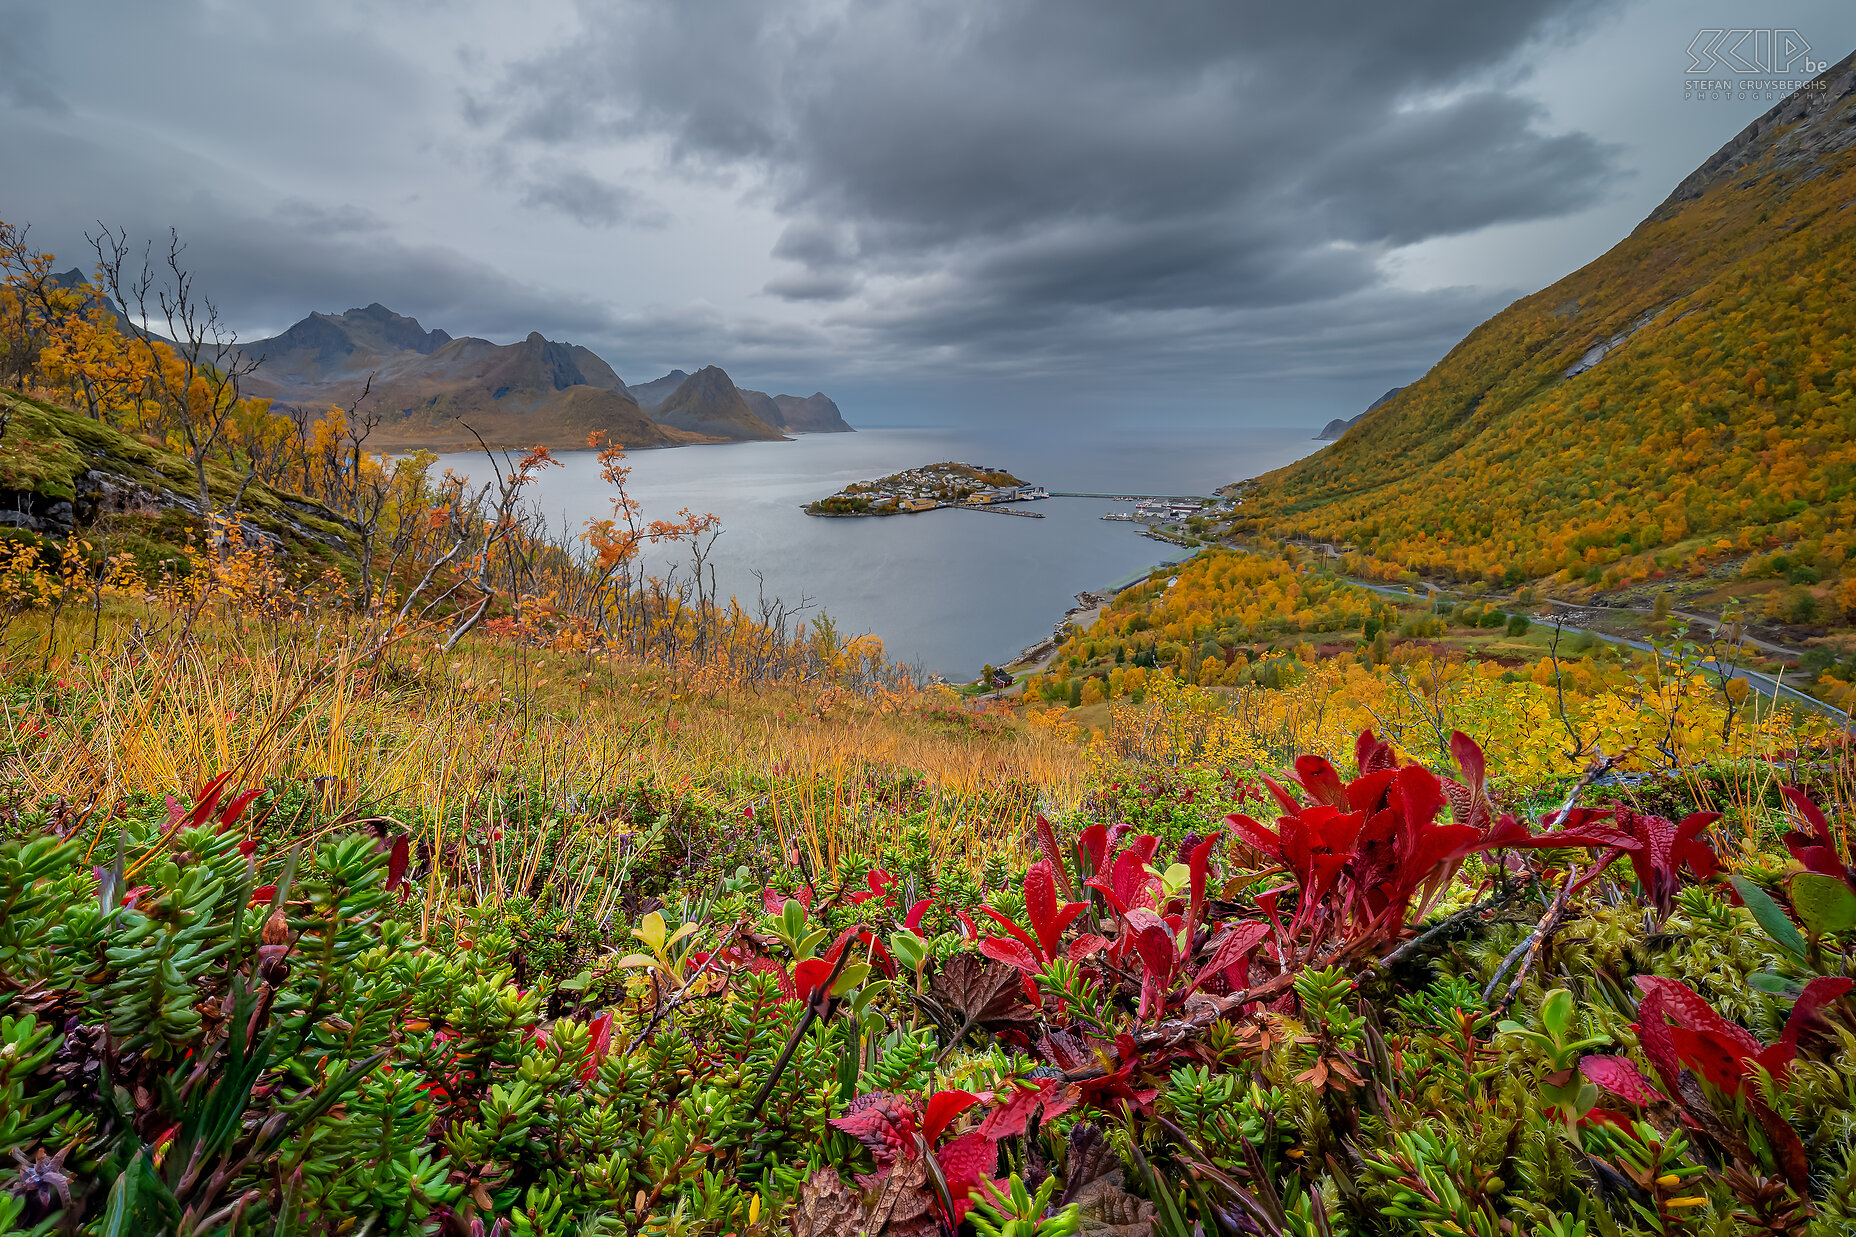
x=1436 y=930
x=1529 y=949
x=1549 y=923
x=799 y=1032
x=682 y=993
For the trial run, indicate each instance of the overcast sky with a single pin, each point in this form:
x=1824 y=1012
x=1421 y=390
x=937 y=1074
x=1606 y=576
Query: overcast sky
x=940 y=209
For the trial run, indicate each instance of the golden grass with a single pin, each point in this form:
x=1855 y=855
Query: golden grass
x=415 y=734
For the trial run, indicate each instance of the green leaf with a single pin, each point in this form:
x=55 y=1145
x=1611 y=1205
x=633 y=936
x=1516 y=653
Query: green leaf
x=1776 y=985
x=910 y=949
x=1556 y=1012
x=850 y=977
x=792 y=917
x=1781 y=929
x=1824 y=903
x=577 y=984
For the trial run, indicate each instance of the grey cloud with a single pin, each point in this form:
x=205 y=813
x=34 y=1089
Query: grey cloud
x=1182 y=195
x=812 y=286
x=816 y=243
x=1033 y=162
x=585 y=198
x=267 y=265
x=23 y=83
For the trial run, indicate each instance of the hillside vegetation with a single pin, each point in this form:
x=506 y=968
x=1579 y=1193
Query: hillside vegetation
x=61 y=472
x=461 y=878
x=1684 y=404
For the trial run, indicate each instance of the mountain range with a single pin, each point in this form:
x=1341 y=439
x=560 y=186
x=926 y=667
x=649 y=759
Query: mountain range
x=1683 y=405
x=431 y=389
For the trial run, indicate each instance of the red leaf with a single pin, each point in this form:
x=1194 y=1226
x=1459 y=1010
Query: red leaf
x=228 y=815
x=967 y=1161
x=1712 y=1056
x=1621 y=1077
x=881 y=1122
x=1198 y=861
x=1817 y=994
x=1012 y=953
x=943 y=1107
x=1047 y=841
x=203 y=803
x=1469 y=759
x=1283 y=798
x=1010 y=1118
x=913 y=921
x=1092 y=848
x=598 y=1046
x=1048 y=920
x=1801 y=803
x=1235 y=946
x=1018 y=934
x=397 y=860
x=809 y=975
x=1654 y=1038
x=1372 y=753
x=1690 y=1010
x=1318 y=778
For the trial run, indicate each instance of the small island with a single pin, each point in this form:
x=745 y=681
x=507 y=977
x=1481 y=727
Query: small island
x=948 y=484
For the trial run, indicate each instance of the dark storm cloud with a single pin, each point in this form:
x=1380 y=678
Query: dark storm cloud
x=1201 y=192
x=1014 y=167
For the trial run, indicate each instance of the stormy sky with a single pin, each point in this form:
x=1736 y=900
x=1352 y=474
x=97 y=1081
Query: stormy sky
x=934 y=210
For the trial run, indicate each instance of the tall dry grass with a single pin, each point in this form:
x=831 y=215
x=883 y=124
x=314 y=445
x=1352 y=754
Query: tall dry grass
x=428 y=739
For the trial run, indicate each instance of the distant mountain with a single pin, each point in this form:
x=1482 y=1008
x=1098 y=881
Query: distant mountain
x=1682 y=403
x=1335 y=428
x=650 y=394
x=814 y=414
x=761 y=405
x=432 y=390
x=708 y=404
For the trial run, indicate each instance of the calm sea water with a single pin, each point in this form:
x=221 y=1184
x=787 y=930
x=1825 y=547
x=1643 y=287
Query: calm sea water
x=946 y=590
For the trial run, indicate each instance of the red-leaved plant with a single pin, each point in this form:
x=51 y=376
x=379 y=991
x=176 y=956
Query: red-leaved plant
x=1689 y=1044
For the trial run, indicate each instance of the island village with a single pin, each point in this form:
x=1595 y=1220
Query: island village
x=948 y=484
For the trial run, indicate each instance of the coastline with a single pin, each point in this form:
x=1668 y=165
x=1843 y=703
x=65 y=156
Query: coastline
x=1089 y=607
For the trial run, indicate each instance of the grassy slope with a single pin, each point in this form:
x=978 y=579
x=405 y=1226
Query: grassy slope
x=1729 y=414
x=59 y=454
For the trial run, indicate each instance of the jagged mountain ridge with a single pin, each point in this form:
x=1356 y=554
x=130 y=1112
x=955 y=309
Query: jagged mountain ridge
x=431 y=389
x=708 y=403
x=1687 y=396
x=650 y=394
x=810 y=414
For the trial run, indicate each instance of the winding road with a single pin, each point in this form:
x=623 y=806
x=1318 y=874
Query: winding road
x=1764 y=684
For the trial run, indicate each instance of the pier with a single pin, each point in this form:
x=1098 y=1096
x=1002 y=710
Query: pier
x=998 y=510
x=1137 y=498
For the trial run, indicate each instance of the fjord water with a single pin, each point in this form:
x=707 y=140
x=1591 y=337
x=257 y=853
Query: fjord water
x=946 y=590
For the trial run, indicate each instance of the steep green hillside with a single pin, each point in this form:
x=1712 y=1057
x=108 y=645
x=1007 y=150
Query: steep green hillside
x=1681 y=403
x=61 y=472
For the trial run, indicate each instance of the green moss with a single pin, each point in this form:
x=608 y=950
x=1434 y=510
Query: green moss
x=48 y=450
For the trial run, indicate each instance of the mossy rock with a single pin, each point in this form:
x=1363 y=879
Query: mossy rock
x=60 y=471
